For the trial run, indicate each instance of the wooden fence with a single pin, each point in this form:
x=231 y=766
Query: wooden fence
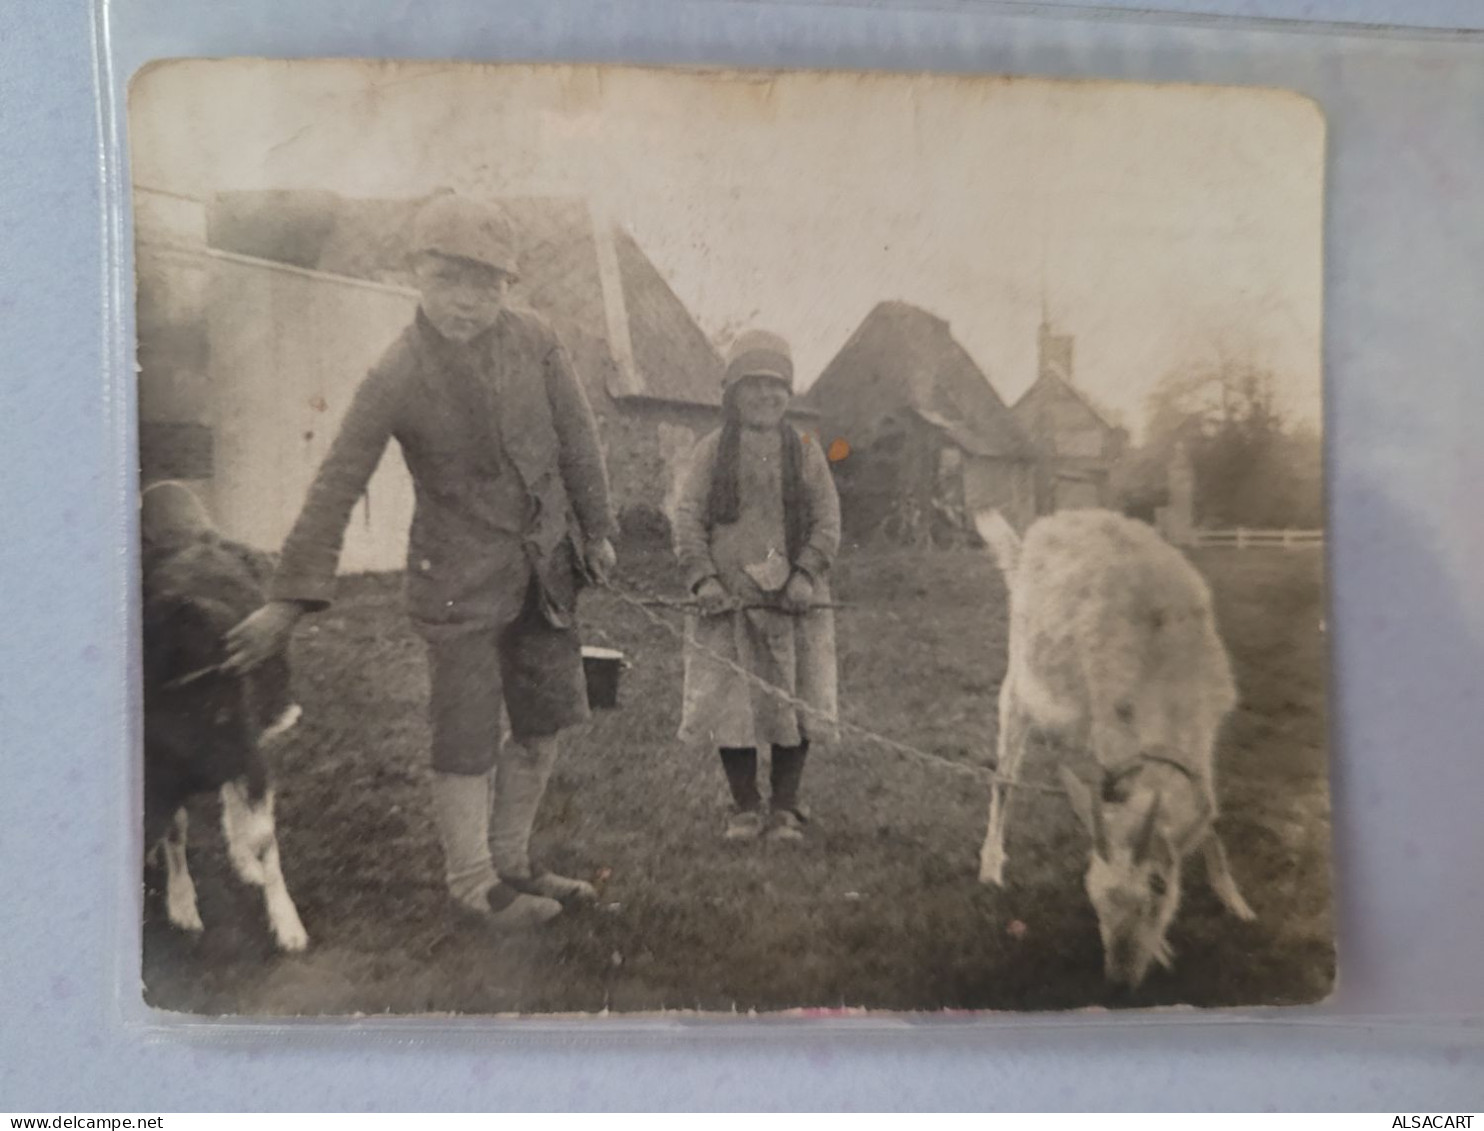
x=1243 y=538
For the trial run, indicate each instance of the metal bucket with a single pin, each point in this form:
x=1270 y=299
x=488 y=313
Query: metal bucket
x=602 y=667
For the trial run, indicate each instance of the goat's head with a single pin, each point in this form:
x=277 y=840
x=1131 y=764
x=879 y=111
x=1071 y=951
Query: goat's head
x=1142 y=825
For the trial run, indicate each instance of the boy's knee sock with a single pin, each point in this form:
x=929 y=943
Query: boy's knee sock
x=520 y=784
x=461 y=810
x=786 y=774
x=740 y=764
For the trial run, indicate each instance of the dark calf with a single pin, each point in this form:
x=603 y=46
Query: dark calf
x=206 y=730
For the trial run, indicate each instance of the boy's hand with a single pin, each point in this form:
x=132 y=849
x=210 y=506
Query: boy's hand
x=601 y=558
x=261 y=636
x=798 y=594
x=713 y=598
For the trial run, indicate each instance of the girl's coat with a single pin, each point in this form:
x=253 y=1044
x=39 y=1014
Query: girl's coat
x=722 y=708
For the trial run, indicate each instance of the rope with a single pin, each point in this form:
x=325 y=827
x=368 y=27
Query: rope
x=191 y=677
x=646 y=604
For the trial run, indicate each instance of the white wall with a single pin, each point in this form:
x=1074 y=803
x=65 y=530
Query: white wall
x=288 y=349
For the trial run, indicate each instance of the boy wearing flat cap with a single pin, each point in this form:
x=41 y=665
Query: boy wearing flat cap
x=512 y=509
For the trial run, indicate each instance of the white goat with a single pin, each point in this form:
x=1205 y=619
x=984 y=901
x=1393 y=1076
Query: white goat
x=1114 y=650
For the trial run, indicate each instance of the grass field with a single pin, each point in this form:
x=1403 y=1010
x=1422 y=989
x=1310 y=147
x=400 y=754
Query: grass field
x=880 y=909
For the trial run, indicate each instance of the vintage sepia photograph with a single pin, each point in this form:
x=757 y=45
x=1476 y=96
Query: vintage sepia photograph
x=632 y=541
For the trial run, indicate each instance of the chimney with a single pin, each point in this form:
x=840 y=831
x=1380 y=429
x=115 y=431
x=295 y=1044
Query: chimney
x=1055 y=353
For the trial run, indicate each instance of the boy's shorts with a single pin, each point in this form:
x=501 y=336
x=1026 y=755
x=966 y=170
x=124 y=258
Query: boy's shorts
x=533 y=667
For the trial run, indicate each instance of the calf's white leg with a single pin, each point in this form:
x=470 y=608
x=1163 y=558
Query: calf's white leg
x=252 y=846
x=180 y=889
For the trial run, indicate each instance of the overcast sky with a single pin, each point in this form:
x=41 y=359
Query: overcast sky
x=1160 y=225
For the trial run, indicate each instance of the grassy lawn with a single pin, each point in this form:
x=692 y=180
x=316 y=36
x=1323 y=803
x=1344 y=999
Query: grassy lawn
x=880 y=909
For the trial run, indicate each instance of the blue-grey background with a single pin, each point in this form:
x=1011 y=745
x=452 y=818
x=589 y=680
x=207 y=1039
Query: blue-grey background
x=1405 y=347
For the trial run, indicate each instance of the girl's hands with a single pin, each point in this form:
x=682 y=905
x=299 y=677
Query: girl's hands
x=713 y=598
x=798 y=594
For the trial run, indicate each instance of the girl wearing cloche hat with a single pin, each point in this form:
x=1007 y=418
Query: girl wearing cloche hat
x=757 y=526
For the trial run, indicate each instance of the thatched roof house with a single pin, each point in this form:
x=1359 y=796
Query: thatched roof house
x=930 y=440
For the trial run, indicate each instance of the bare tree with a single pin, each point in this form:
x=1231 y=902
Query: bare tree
x=1253 y=466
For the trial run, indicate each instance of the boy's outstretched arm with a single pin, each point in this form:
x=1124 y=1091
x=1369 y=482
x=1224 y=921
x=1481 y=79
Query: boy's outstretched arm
x=305 y=577
x=311 y=553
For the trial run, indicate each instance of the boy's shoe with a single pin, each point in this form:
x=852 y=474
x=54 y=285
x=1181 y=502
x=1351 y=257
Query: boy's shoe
x=785 y=824
x=505 y=909
x=747 y=824
x=549 y=885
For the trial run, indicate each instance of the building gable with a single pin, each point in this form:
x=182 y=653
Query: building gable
x=626 y=331
x=1055 y=412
